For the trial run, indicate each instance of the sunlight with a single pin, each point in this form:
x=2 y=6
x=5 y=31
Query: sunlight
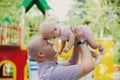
x=61 y=8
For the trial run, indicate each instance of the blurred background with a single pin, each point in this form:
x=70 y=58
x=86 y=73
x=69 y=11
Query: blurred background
x=20 y=20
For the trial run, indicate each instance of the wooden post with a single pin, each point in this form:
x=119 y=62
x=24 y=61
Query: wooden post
x=22 y=26
x=5 y=34
x=1 y=34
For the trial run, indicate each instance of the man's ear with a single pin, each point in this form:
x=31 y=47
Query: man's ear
x=40 y=54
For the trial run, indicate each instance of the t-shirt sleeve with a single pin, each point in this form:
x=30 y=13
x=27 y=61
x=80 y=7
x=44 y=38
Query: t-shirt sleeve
x=65 y=73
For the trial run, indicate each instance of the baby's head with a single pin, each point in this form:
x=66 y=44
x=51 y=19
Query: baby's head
x=49 y=30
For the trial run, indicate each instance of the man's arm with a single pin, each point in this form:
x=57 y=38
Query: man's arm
x=87 y=63
x=74 y=58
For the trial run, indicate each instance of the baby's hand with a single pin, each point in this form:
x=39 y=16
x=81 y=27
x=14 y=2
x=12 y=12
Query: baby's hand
x=59 y=52
x=66 y=49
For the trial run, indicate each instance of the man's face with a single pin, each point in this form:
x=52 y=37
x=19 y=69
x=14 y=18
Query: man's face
x=49 y=36
x=48 y=49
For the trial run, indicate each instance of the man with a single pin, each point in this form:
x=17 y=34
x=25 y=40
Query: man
x=43 y=52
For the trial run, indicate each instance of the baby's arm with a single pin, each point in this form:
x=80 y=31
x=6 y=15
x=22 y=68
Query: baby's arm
x=70 y=42
x=62 y=46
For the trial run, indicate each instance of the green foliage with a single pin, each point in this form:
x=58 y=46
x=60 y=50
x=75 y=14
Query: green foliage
x=103 y=15
x=117 y=58
x=9 y=8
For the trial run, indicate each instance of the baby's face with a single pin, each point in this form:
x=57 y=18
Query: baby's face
x=52 y=35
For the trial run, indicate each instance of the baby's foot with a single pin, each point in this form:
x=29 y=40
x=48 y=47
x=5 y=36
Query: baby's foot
x=98 y=59
x=101 y=50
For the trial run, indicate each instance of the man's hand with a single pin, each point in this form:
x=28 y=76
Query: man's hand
x=77 y=32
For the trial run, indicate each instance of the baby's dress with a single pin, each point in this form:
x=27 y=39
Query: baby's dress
x=86 y=30
x=64 y=30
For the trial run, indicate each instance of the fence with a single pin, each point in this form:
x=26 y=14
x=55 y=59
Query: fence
x=10 y=35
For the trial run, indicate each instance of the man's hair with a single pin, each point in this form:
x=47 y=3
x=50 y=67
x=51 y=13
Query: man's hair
x=33 y=47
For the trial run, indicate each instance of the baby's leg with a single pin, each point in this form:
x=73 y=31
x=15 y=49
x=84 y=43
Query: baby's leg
x=91 y=41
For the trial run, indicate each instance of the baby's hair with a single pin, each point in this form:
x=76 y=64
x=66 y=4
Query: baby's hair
x=47 y=27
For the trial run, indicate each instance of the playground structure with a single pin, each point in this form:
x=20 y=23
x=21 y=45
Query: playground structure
x=10 y=35
x=13 y=59
x=13 y=63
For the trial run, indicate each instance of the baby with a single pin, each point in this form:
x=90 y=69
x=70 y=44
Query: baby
x=50 y=30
